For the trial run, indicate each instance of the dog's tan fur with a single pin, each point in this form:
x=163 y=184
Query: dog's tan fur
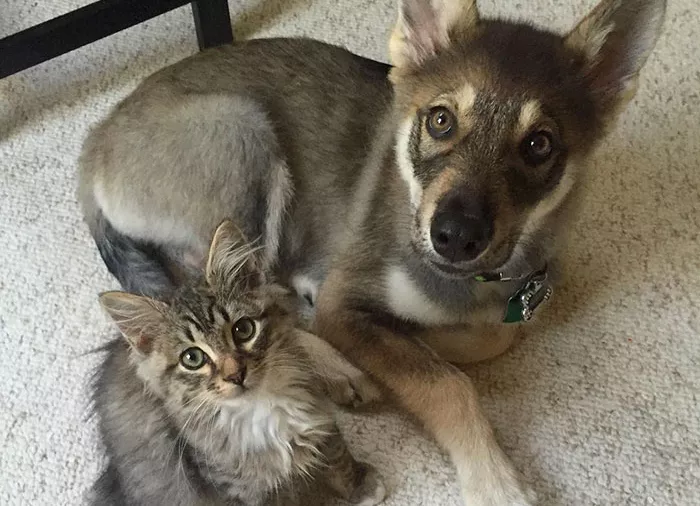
x=437 y=394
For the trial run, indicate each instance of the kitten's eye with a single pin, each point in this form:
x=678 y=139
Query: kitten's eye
x=537 y=147
x=243 y=330
x=440 y=122
x=193 y=358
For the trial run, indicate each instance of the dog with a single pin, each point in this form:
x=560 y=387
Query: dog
x=411 y=206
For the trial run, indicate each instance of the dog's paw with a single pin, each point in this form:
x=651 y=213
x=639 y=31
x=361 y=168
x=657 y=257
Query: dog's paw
x=371 y=489
x=509 y=494
x=496 y=485
x=353 y=391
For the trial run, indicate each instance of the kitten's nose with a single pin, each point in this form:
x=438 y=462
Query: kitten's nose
x=237 y=377
x=232 y=371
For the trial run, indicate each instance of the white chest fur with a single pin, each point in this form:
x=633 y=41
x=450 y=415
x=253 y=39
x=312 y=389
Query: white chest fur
x=263 y=442
x=408 y=301
x=272 y=424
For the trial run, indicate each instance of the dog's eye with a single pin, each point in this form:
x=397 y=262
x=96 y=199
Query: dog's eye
x=243 y=330
x=193 y=358
x=440 y=122
x=537 y=147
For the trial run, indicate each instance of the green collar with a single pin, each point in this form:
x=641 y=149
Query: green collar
x=534 y=290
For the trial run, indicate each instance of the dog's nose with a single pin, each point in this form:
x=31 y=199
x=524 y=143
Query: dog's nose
x=459 y=237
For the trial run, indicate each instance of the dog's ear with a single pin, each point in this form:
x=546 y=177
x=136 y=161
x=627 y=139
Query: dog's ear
x=614 y=41
x=139 y=319
x=425 y=26
x=233 y=262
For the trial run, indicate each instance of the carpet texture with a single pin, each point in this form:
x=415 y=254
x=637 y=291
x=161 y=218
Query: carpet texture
x=598 y=405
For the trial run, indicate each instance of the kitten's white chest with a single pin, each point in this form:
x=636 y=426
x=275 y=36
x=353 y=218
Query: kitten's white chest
x=275 y=434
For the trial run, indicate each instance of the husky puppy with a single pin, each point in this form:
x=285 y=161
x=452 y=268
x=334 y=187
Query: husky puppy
x=388 y=197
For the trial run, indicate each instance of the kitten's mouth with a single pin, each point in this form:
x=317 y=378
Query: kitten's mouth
x=233 y=401
x=233 y=392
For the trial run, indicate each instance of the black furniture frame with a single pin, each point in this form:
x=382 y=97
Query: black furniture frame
x=100 y=19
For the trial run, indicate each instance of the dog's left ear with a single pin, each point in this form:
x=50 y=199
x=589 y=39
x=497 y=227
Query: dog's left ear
x=424 y=27
x=614 y=41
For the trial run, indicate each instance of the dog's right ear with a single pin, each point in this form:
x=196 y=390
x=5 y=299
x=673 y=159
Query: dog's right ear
x=233 y=262
x=424 y=28
x=614 y=41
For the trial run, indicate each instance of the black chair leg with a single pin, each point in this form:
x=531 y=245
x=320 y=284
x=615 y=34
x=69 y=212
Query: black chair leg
x=77 y=28
x=213 y=23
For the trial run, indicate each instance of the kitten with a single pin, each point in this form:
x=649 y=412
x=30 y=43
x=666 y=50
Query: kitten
x=215 y=398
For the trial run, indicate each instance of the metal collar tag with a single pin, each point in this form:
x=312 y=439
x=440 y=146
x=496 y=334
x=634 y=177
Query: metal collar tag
x=522 y=304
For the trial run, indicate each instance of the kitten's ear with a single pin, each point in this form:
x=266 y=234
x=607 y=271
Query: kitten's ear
x=615 y=40
x=139 y=319
x=232 y=259
x=424 y=27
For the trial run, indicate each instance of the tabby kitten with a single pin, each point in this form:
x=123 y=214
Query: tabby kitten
x=215 y=398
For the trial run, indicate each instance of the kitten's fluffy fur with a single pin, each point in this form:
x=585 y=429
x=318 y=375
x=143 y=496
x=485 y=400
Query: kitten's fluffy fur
x=236 y=421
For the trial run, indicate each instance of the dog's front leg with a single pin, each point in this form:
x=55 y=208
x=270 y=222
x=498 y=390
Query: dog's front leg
x=344 y=383
x=436 y=393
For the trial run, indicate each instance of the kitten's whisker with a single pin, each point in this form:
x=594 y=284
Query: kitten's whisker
x=180 y=442
x=207 y=442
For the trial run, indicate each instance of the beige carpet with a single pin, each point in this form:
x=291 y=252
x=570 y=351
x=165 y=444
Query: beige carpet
x=598 y=406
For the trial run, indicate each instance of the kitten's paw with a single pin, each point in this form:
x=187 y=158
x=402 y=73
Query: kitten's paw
x=370 y=491
x=354 y=391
